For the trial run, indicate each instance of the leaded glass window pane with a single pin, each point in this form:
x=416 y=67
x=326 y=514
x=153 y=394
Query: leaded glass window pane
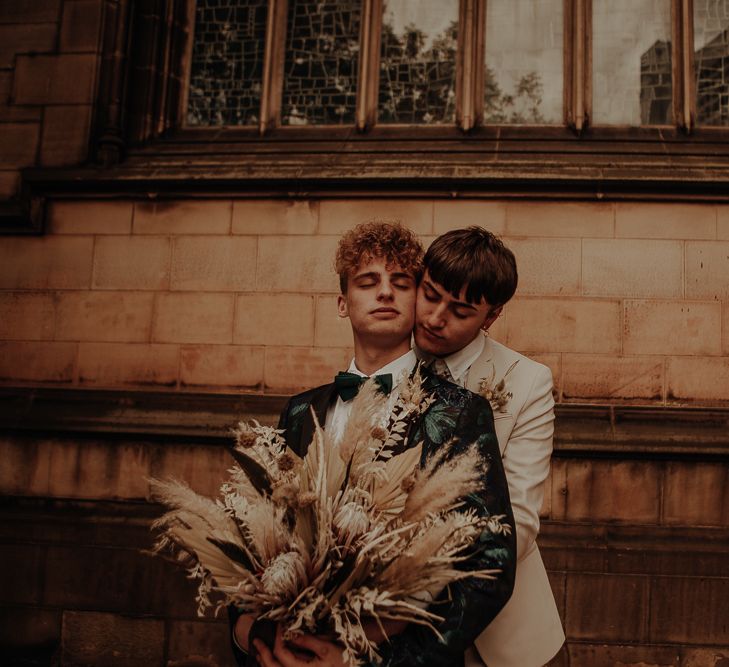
x=322 y=55
x=711 y=61
x=632 y=62
x=418 y=62
x=227 y=62
x=524 y=61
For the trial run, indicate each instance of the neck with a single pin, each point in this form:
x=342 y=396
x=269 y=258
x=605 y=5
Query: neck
x=370 y=358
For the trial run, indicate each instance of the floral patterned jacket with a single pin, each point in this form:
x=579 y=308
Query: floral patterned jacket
x=455 y=419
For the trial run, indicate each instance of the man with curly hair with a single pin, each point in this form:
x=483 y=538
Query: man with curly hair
x=379 y=266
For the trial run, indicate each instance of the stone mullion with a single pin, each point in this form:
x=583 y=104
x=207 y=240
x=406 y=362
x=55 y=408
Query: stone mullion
x=369 y=65
x=578 y=63
x=470 y=63
x=682 y=56
x=273 y=65
x=109 y=111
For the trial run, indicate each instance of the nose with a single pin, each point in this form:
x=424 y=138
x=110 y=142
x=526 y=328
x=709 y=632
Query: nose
x=436 y=318
x=385 y=292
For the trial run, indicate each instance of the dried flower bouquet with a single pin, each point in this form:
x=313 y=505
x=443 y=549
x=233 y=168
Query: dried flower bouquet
x=351 y=533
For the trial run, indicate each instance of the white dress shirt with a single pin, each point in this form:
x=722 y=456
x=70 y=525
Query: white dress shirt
x=459 y=363
x=400 y=368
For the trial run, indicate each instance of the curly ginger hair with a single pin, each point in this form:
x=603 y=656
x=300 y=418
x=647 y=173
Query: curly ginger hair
x=374 y=240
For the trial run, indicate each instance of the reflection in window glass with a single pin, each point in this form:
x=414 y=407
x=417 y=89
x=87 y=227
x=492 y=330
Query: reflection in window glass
x=227 y=62
x=524 y=61
x=418 y=62
x=631 y=62
x=711 y=61
x=320 y=73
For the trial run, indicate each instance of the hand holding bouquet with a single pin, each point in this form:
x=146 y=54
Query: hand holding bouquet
x=349 y=535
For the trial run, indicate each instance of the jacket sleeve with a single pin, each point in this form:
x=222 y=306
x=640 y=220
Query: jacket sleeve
x=467 y=606
x=526 y=458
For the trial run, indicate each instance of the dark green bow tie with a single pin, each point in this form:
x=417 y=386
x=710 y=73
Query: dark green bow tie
x=348 y=384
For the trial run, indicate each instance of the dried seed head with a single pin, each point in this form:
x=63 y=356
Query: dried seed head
x=247 y=439
x=285 y=462
x=379 y=433
x=307 y=499
x=408 y=483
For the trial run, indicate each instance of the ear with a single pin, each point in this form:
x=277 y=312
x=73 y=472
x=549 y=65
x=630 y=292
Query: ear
x=491 y=318
x=342 y=308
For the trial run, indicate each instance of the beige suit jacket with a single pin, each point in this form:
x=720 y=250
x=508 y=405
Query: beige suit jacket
x=528 y=631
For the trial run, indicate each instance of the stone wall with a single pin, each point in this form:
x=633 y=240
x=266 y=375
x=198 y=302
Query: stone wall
x=217 y=307
x=624 y=301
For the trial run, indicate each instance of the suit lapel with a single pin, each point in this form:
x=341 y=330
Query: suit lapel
x=481 y=368
x=321 y=399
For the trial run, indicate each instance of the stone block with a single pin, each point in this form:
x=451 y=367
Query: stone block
x=564 y=325
x=25 y=38
x=93 y=638
x=23 y=565
x=289 y=369
x=54 y=79
x=336 y=216
x=213 y=263
x=330 y=330
x=561 y=659
x=193 y=318
x=672 y=327
x=606 y=607
x=65 y=139
x=623 y=491
x=37 y=361
x=622 y=655
x=725 y=327
x=26 y=466
x=10 y=112
x=122 y=580
x=722 y=223
x=558 y=489
x=689 y=610
x=565 y=219
x=222 y=366
x=632 y=268
x=104 y=316
x=80 y=25
x=9 y=183
x=199 y=640
x=697 y=379
x=557 y=581
x=548 y=266
x=26 y=316
x=704 y=657
x=665 y=221
x=707 y=270
x=186 y=216
x=126 y=262
x=90 y=217
x=30 y=627
x=274 y=319
x=20 y=144
x=275 y=216
x=696 y=494
x=594 y=376
x=297 y=264
x=203 y=468
x=98 y=470
x=451 y=214
x=22 y=11
x=46 y=262
x=115 y=364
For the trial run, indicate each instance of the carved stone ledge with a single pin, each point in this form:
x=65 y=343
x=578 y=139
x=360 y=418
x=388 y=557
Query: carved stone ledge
x=581 y=431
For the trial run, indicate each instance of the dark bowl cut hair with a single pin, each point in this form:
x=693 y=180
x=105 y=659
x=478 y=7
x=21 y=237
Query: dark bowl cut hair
x=476 y=259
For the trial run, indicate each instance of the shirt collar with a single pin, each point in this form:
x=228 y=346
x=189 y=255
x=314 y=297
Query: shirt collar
x=460 y=361
x=399 y=367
